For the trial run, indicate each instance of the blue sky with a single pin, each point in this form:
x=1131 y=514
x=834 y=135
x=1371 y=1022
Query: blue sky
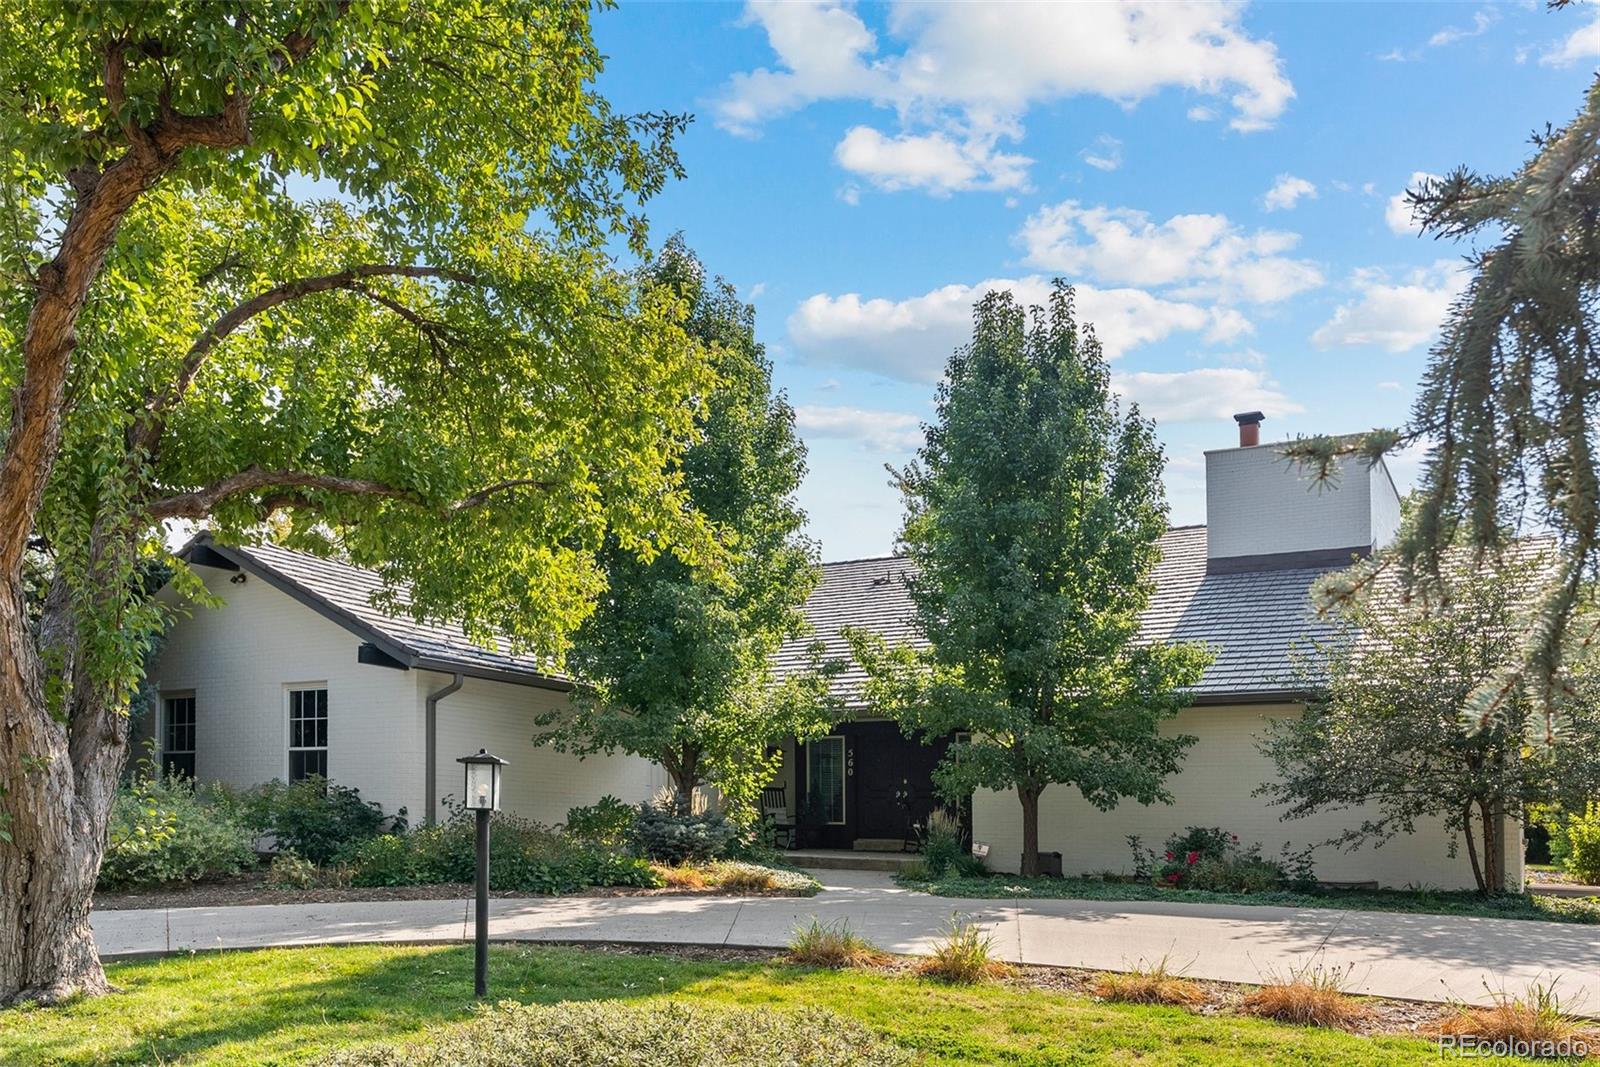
x=1218 y=179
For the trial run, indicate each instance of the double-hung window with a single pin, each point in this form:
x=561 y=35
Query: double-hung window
x=308 y=734
x=177 y=736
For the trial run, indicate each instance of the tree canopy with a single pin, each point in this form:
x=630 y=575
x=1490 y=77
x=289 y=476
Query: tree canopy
x=327 y=273
x=675 y=662
x=1034 y=512
x=1386 y=736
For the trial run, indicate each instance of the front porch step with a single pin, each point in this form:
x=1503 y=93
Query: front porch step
x=879 y=844
x=839 y=859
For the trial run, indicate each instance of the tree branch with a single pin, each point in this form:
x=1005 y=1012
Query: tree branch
x=148 y=432
x=199 y=503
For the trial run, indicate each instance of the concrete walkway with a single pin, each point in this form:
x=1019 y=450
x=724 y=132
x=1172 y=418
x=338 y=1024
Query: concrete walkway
x=1423 y=957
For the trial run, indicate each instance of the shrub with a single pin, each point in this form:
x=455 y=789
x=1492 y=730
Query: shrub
x=378 y=861
x=681 y=877
x=662 y=833
x=1149 y=983
x=832 y=945
x=604 y=822
x=1583 y=845
x=1536 y=1018
x=316 y=818
x=164 y=831
x=524 y=856
x=289 y=871
x=662 y=1034
x=963 y=956
x=941 y=842
x=1313 y=995
x=1211 y=858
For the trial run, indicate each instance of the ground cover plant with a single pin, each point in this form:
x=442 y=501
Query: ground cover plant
x=1531 y=906
x=291 y=1006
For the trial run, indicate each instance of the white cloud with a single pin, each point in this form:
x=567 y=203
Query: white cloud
x=1481 y=21
x=1203 y=255
x=934 y=162
x=1395 y=316
x=971 y=72
x=756 y=291
x=1286 y=192
x=1104 y=154
x=1202 y=394
x=912 y=339
x=1199 y=113
x=1581 y=43
x=1393 y=387
x=878 y=431
x=1397 y=212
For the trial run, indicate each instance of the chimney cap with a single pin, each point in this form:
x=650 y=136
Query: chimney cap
x=1248 y=418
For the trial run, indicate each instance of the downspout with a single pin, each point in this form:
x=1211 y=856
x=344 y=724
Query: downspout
x=430 y=747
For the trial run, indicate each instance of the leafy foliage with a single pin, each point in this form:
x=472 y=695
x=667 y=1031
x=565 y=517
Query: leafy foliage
x=439 y=373
x=676 y=659
x=604 y=822
x=663 y=1034
x=315 y=818
x=163 y=831
x=1391 y=736
x=1583 y=845
x=289 y=871
x=942 y=847
x=1033 y=515
x=664 y=832
x=1509 y=408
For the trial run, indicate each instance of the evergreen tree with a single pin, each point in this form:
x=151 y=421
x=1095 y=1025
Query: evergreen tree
x=1508 y=406
x=1033 y=515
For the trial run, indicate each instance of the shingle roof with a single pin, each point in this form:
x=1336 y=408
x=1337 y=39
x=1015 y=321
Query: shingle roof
x=1251 y=620
x=344 y=593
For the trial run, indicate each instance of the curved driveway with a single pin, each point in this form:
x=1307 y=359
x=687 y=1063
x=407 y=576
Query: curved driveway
x=1424 y=957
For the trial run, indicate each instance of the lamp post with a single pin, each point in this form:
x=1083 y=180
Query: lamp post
x=483 y=797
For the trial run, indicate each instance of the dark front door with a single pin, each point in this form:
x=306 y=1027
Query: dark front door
x=866 y=782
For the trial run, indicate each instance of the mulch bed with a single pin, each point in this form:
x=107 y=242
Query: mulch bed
x=253 y=889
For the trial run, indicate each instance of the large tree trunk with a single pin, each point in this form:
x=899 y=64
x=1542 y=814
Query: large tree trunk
x=683 y=767
x=1494 y=876
x=58 y=774
x=1030 y=831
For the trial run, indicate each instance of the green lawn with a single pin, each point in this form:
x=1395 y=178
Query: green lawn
x=283 y=1006
x=1434 y=902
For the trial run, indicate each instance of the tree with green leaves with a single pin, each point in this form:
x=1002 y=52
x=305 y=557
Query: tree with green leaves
x=676 y=662
x=1509 y=406
x=1386 y=735
x=1033 y=515
x=436 y=372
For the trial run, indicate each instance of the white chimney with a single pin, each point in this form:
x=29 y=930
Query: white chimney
x=1265 y=513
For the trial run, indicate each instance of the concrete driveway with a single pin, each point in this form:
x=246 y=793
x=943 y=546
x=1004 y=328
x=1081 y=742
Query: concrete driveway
x=1422 y=957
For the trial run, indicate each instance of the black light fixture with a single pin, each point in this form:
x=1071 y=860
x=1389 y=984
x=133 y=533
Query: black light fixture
x=482 y=793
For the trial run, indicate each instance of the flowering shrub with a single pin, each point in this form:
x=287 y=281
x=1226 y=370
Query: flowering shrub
x=1211 y=858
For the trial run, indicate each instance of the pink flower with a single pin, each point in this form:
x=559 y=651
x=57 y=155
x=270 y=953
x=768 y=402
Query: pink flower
x=1173 y=877
x=1192 y=858
x=1169 y=855
x=1235 y=838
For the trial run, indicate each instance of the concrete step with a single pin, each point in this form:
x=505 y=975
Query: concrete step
x=830 y=859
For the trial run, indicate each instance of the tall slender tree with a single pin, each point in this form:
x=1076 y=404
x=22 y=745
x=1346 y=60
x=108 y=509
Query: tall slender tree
x=438 y=374
x=675 y=664
x=1033 y=515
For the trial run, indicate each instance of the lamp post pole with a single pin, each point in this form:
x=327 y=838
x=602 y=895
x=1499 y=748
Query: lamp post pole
x=480 y=962
x=483 y=797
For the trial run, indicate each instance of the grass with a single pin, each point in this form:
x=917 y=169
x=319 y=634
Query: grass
x=1421 y=901
x=1313 y=995
x=832 y=945
x=1535 y=1017
x=289 y=1006
x=963 y=956
x=1149 y=983
x=736 y=876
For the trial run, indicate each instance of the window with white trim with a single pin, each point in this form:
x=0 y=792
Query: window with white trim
x=308 y=734
x=177 y=736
